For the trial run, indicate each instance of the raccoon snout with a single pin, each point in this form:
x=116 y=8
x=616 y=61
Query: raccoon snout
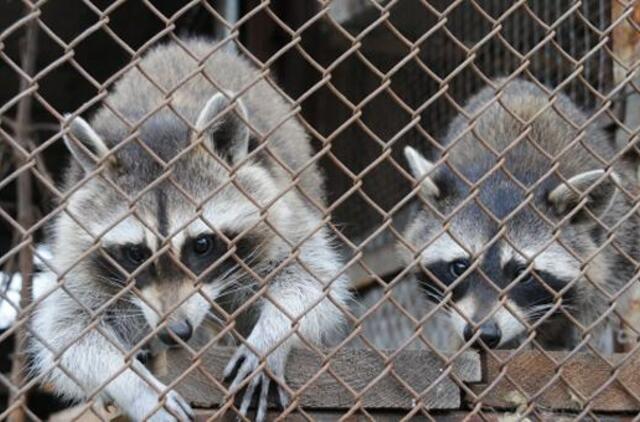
x=181 y=329
x=490 y=334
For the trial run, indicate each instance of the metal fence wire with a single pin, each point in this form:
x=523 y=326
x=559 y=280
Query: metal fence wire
x=347 y=209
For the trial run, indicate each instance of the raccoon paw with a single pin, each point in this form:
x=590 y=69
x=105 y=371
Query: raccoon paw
x=243 y=363
x=174 y=408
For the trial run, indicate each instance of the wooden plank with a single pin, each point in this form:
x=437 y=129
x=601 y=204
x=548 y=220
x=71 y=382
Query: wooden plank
x=357 y=368
x=531 y=373
x=382 y=261
x=626 y=49
x=438 y=415
x=626 y=38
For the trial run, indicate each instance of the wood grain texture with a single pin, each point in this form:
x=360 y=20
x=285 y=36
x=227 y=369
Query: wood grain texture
x=626 y=38
x=431 y=415
x=533 y=377
x=361 y=373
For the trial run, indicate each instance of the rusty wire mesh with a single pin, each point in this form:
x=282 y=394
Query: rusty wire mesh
x=364 y=79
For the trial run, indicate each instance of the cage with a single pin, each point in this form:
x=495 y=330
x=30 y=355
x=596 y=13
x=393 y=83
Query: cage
x=364 y=79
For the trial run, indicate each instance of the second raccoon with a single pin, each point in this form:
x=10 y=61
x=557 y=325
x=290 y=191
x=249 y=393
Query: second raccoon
x=525 y=220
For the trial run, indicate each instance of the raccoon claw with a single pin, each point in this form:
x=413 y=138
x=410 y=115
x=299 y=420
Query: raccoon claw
x=174 y=405
x=243 y=363
x=182 y=408
x=145 y=407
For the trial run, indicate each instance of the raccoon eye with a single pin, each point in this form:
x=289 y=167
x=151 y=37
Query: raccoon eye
x=136 y=254
x=203 y=244
x=458 y=267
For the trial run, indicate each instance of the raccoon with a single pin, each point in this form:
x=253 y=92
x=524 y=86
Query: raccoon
x=525 y=227
x=179 y=207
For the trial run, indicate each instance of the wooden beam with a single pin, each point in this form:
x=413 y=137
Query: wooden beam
x=531 y=376
x=626 y=52
x=626 y=38
x=440 y=416
x=371 y=381
x=382 y=261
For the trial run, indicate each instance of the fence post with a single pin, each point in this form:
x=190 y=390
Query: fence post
x=24 y=213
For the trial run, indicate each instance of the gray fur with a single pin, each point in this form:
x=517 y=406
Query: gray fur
x=489 y=137
x=215 y=185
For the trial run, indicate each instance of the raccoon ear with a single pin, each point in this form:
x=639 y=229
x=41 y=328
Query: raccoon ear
x=227 y=133
x=599 y=199
x=84 y=143
x=420 y=166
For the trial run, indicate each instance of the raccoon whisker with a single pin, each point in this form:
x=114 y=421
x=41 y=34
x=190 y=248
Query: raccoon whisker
x=444 y=304
x=536 y=316
x=541 y=311
x=232 y=271
x=111 y=281
x=231 y=278
x=227 y=284
x=550 y=306
x=115 y=312
x=447 y=311
x=540 y=302
x=104 y=296
x=215 y=317
x=108 y=280
x=429 y=289
x=130 y=310
x=125 y=311
x=125 y=319
x=540 y=305
x=542 y=308
x=248 y=260
x=435 y=297
x=257 y=250
x=235 y=290
x=235 y=282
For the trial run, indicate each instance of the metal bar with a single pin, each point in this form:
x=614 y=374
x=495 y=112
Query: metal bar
x=25 y=214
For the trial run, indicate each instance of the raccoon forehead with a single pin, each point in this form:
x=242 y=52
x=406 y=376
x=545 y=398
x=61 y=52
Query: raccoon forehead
x=233 y=217
x=443 y=248
x=552 y=258
x=224 y=216
x=129 y=230
x=95 y=201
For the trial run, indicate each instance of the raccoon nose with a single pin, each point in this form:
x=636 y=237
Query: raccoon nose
x=181 y=329
x=489 y=334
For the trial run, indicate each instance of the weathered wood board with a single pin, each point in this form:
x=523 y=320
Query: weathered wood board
x=370 y=382
x=427 y=416
x=587 y=379
x=626 y=38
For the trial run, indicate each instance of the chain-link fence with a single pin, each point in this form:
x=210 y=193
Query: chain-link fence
x=356 y=209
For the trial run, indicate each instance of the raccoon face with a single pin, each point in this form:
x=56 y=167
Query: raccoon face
x=501 y=268
x=178 y=242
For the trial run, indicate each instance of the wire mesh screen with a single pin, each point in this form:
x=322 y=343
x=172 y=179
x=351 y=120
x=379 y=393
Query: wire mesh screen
x=324 y=210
